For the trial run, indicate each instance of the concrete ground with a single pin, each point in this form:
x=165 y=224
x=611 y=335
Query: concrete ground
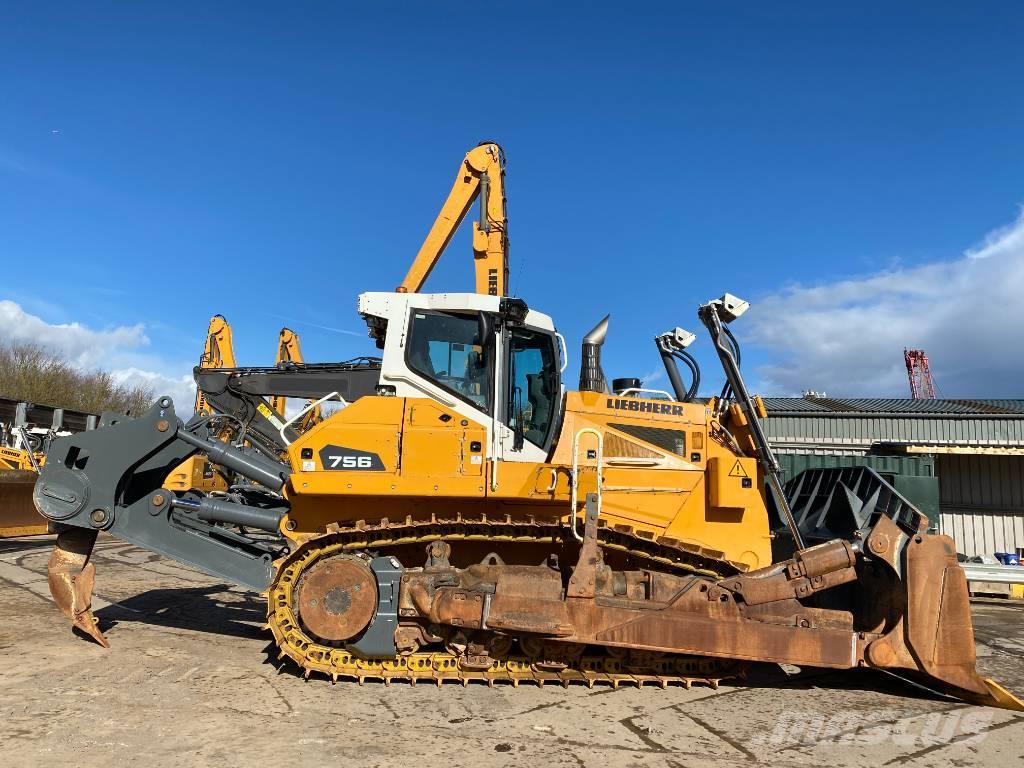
x=189 y=681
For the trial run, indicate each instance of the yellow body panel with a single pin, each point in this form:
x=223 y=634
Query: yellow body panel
x=18 y=515
x=430 y=453
x=16 y=458
x=195 y=473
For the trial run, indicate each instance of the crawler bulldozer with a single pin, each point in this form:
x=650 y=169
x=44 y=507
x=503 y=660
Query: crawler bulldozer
x=466 y=517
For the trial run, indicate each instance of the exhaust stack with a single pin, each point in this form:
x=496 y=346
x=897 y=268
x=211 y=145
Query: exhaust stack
x=591 y=376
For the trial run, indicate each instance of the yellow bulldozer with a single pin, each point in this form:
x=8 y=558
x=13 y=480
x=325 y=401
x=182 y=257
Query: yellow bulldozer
x=466 y=517
x=21 y=455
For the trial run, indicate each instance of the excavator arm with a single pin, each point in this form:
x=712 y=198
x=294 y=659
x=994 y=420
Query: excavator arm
x=481 y=177
x=218 y=352
x=290 y=351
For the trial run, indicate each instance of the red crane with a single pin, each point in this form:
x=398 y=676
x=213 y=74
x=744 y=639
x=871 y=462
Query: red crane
x=920 y=374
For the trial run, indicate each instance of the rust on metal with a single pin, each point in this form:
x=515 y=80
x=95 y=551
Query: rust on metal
x=337 y=598
x=71 y=576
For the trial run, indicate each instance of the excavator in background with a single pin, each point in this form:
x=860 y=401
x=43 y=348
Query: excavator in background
x=196 y=474
x=480 y=177
x=466 y=517
x=289 y=352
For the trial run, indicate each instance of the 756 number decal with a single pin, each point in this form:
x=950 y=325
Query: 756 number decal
x=349 y=462
x=338 y=458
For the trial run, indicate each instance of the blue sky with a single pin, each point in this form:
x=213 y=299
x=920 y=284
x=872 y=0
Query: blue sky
x=841 y=166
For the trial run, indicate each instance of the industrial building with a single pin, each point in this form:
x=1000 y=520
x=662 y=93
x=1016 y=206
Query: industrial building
x=960 y=461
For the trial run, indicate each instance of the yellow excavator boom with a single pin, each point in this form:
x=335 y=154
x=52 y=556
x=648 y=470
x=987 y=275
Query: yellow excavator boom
x=481 y=176
x=289 y=350
x=219 y=352
x=196 y=473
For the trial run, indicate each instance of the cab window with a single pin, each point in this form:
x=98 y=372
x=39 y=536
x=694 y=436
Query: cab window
x=445 y=348
x=533 y=384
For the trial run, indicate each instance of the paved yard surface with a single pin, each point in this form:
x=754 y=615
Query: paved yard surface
x=189 y=681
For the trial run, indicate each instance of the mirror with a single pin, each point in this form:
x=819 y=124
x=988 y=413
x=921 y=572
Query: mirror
x=485 y=331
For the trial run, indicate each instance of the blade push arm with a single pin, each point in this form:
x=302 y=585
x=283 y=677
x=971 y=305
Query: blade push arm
x=481 y=176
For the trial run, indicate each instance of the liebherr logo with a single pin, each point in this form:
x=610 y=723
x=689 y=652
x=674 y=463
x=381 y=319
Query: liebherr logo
x=644 y=406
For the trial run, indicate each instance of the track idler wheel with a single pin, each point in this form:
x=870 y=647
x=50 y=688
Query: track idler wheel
x=71 y=577
x=337 y=598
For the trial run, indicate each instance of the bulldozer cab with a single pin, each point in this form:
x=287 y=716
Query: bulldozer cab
x=491 y=360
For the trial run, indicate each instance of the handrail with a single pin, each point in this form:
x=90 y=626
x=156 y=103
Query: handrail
x=634 y=390
x=306 y=410
x=575 y=475
x=565 y=352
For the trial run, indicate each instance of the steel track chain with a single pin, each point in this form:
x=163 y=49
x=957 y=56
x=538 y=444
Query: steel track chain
x=438 y=666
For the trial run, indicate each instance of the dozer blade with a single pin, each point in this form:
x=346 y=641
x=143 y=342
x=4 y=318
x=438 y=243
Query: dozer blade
x=911 y=581
x=71 y=578
x=18 y=515
x=934 y=641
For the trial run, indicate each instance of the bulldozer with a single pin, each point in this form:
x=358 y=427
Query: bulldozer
x=467 y=517
x=22 y=453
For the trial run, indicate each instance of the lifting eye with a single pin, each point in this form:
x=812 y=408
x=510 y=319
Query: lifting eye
x=445 y=417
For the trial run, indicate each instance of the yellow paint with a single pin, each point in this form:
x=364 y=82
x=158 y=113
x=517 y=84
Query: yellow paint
x=16 y=458
x=426 y=451
x=196 y=473
x=482 y=173
x=289 y=350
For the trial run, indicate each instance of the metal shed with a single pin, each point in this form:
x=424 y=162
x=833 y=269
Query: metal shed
x=975 y=449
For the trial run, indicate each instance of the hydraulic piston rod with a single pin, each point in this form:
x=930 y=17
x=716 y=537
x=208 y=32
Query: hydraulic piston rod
x=256 y=468
x=220 y=511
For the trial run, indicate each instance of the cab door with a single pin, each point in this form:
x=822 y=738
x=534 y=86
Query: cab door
x=442 y=449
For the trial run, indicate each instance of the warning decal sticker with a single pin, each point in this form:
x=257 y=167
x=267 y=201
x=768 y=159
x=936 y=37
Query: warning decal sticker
x=737 y=470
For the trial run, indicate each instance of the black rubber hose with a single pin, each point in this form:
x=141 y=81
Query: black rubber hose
x=695 y=369
x=694 y=372
x=733 y=343
x=668 y=358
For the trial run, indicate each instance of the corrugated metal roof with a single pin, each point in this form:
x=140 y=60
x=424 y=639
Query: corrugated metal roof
x=867 y=406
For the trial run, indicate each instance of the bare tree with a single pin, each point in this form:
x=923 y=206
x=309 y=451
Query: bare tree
x=34 y=374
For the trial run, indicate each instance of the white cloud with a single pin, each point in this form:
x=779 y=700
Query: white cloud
x=80 y=345
x=182 y=389
x=847 y=337
x=119 y=350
